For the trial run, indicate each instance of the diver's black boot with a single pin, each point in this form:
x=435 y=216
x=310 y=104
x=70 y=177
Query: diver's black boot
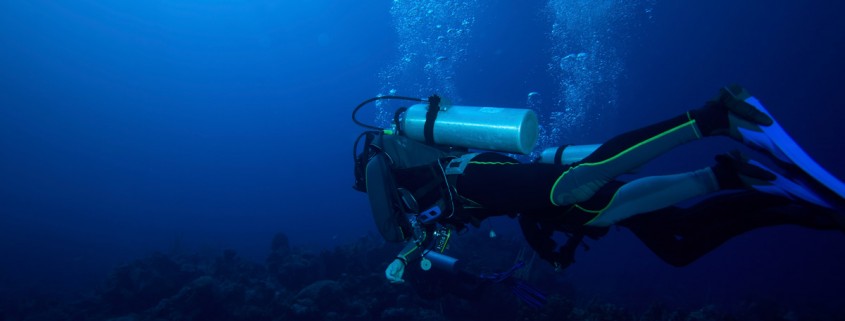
x=729 y=111
x=735 y=171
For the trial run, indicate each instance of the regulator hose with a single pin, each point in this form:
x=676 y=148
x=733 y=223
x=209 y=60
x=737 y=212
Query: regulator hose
x=364 y=103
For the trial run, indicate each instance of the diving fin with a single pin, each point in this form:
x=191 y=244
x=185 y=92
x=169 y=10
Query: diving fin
x=773 y=140
x=734 y=170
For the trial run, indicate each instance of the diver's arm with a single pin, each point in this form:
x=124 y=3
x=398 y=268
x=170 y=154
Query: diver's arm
x=396 y=268
x=409 y=249
x=540 y=236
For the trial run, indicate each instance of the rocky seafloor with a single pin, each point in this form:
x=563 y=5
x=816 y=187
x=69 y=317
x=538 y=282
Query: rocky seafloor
x=346 y=283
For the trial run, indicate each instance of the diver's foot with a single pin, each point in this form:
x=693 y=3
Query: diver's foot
x=737 y=114
x=729 y=110
x=735 y=171
x=730 y=113
x=734 y=98
x=748 y=121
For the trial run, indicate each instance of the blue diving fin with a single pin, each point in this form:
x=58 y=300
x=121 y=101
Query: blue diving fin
x=774 y=141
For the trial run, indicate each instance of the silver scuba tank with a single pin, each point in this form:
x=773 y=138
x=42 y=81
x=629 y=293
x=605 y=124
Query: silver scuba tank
x=564 y=155
x=510 y=130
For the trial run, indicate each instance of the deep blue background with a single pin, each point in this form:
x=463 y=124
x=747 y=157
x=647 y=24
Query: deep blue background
x=133 y=127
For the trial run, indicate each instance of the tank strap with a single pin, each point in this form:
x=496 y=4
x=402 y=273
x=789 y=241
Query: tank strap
x=430 y=117
x=559 y=155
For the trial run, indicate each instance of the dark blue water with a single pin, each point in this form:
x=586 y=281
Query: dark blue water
x=133 y=127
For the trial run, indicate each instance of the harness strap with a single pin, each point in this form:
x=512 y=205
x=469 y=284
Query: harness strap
x=456 y=168
x=470 y=211
x=457 y=165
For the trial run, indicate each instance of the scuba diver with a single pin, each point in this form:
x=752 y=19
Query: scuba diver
x=425 y=179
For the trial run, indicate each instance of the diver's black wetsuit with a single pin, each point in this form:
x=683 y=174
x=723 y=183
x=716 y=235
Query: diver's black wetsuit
x=679 y=236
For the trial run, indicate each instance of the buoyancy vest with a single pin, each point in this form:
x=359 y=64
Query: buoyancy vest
x=404 y=177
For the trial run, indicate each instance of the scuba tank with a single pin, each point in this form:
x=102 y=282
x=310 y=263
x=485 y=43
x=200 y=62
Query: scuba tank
x=510 y=130
x=567 y=154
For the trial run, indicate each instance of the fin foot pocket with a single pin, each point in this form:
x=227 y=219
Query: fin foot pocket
x=734 y=98
x=774 y=141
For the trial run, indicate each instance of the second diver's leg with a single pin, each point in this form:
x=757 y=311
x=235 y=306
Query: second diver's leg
x=680 y=236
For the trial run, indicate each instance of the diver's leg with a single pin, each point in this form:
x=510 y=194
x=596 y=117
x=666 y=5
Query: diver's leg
x=662 y=232
x=732 y=171
x=632 y=149
x=680 y=236
x=653 y=193
x=619 y=155
x=733 y=113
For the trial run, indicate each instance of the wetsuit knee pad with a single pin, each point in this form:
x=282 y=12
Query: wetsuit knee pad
x=576 y=185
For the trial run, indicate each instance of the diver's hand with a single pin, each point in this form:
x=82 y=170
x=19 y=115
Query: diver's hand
x=395 y=270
